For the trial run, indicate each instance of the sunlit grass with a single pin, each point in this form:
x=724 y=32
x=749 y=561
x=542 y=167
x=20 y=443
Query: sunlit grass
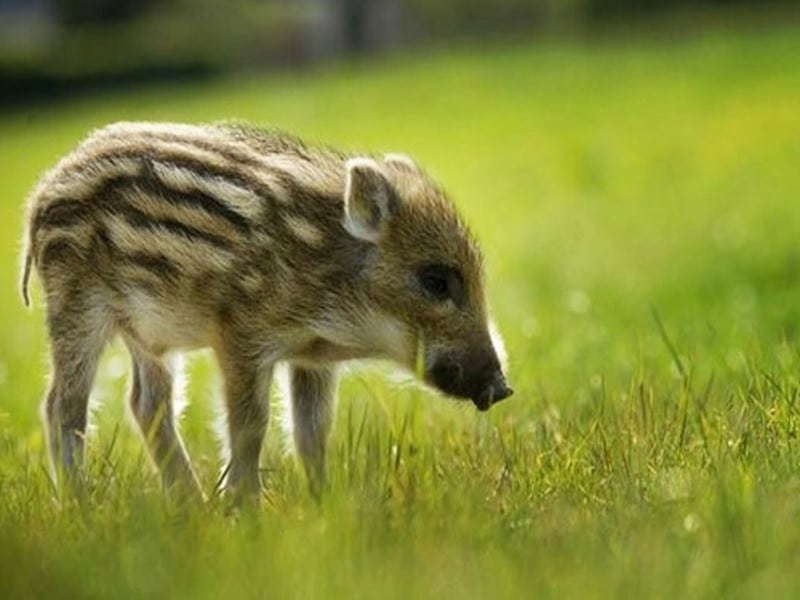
x=638 y=207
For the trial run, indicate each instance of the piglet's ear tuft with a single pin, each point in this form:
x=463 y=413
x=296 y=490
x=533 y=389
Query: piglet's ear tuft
x=369 y=200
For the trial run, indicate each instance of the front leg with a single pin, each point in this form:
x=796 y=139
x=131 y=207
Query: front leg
x=313 y=398
x=247 y=382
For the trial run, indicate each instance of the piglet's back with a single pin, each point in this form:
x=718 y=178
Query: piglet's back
x=178 y=209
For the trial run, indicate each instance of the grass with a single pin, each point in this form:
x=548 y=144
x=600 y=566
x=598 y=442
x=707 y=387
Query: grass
x=638 y=204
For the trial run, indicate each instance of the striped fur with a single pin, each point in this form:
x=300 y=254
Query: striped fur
x=256 y=245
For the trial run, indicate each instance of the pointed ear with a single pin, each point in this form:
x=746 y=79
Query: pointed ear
x=369 y=200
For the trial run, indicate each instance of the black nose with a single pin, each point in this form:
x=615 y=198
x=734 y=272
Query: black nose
x=494 y=392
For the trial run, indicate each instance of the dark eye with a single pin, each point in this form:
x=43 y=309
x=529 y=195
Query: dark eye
x=435 y=284
x=441 y=283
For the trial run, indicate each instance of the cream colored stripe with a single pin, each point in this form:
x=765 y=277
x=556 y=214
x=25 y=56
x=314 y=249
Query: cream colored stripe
x=82 y=184
x=189 y=215
x=139 y=139
x=192 y=256
x=304 y=230
x=126 y=129
x=241 y=200
x=307 y=174
x=302 y=171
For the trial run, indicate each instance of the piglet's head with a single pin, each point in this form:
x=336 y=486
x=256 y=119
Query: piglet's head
x=425 y=274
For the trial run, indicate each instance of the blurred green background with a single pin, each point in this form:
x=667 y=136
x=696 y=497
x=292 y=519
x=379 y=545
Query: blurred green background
x=53 y=48
x=631 y=169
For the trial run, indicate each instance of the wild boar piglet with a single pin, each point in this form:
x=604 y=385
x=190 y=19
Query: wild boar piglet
x=265 y=249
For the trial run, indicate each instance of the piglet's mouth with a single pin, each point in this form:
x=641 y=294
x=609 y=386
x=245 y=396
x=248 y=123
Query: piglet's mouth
x=496 y=391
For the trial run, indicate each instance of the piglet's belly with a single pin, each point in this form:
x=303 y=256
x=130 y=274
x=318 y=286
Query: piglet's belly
x=160 y=327
x=321 y=351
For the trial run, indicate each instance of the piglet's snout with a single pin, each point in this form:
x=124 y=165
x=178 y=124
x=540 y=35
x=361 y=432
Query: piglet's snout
x=495 y=390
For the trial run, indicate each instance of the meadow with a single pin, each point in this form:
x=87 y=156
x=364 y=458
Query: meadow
x=638 y=199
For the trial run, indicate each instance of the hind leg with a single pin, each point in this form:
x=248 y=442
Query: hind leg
x=65 y=407
x=78 y=332
x=151 y=404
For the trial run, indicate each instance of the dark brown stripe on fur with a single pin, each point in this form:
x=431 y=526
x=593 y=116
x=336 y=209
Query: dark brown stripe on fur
x=153 y=185
x=158 y=264
x=66 y=212
x=61 y=213
x=183 y=160
x=104 y=237
x=110 y=199
x=59 y=250
x=141 y=220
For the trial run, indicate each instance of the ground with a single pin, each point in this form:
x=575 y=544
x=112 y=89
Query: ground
x=637 y=199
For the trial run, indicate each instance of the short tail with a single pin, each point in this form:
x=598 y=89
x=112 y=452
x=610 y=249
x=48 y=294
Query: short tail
x=26 y=275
